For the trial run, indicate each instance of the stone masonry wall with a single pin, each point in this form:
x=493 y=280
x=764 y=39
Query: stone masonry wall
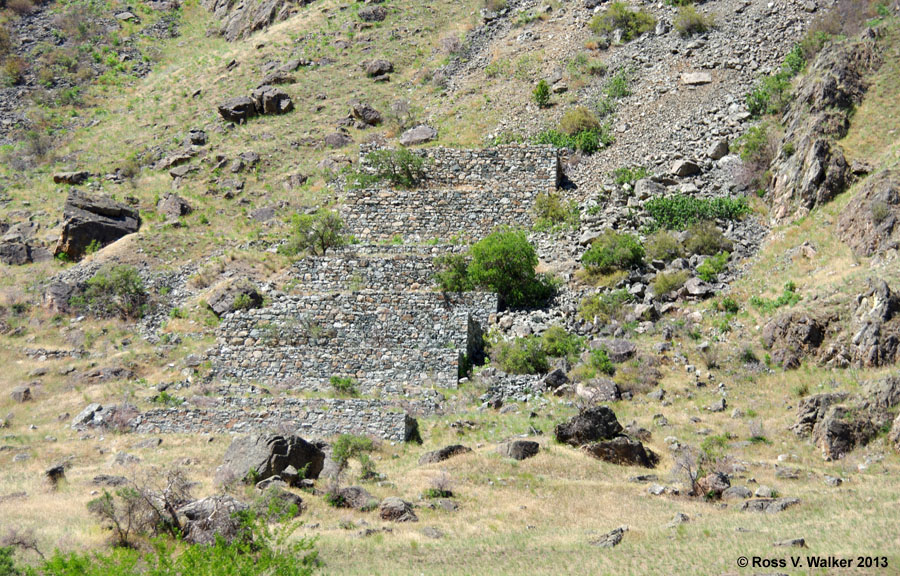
x=514 y=167
x=384 y=340
x=373 y=267
x=311 y=418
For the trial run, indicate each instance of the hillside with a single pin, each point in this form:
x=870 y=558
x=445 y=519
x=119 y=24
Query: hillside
x=545 y=287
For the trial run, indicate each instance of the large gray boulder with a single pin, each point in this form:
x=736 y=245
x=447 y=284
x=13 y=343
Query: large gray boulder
x=418 y=135
x=94 y=219
x=234 y=295
x=257 y=457
x=238 y=109
x=519 y=449
x=173 y=206
x=212 y=517
x=397 y=510
x=271 y=100
x=595 y=423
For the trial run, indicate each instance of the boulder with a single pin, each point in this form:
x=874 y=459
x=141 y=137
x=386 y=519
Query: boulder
x=598 y=390
x=173 y=206
x=87 y=415
x=71 y=178
x=277 y=77
x=271 y=100
x=232 y=295
x=683 y=168
x=15 y=252
x=697 y=288
x=238 y=110
x=212 y=517
x=276 y=503
x=717 y=150
x=356 y=498
x=338 y=139
x=610 y=539
x=769 y=505
x=712 y=486
x=378 y=67
x=365 y=113
x=812 y=409
x=737 y=493
x=590 y=425
x=397 y=510
x=372 y=13
x=841 y=429
x=197 y=137
x=791 y=336
x=418 y=135
x=89 y=220
x=20 y=394
x=257 y=457
x=618 y=350
x=444 y=453
x=519 y=449
x=556 y=378
x=623 y=451
x=696 y=78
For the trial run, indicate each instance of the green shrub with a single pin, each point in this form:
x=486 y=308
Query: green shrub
x=629 y=174
x=618 y=87
x=613 y=251
x=586 y=142
x=710 y=269
x=666 y=282
x=619 y=16
x=520 y=356
x=504 y=262
x=315 y=233
x=343 y=385
x=541 y=94
x=559 y=343
x=452 y=273
x=584 y=64
x=349 y=446
x=690 y=21
x=577 y=120
x=771 y=93
x=706 y=238
x=7 y=563
x=550 y=211
x=604 y=307
x=400 y=168
x=600 y=362
x=729 y=305
x=242 y=301
x=788 y=297
x=663 y=245
x=678 y=211
x=113 y=291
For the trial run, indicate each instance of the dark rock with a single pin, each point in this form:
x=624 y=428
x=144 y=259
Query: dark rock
x=365 y=113
x=238 y=110
x=444 y=453
x=262 y=456
x=792 y=543
x=338 y=140
x=590 y=425
x=555 y=379
x=623 y=451
x=769 y=505
x=271 y=100
x=93 y=219
x=792 y=336
x=610 y=539
x=378 y=67
x=737 y=493
x=87 y=415
x=173 y=206
x=372 y=13
x=713 y=485
x=277 y=77
x=213 y=517
x=71 y=178
x=356 y=497
x=197 y=137
x=841 y=429
x=110 y=481
x=224 y=297
x=519 y=449
x=811 y=410
x=418 y=135
x=876 y=326
x=241 y=19
x=55 y=474
x=397 y=510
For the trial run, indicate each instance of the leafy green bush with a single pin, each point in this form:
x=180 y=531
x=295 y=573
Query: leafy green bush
x=343 y=385
x=586 y=142
x=113 y=291
x=504 y=262
x=601 y=308
x=613 y=251
x=619 y=16
x=618 y=85
x=710 y=269
x=520 y=356
x=577 y=120
x=550 y=211
x=559 y=343
x=7 y=563
x=690 y=21
x=729 y=305
x=788 y=297
x=629 y=174
x=663 y=245
x=600 y=362
x=400 y=168
x=452 y=273
x=678 y=211
x=772 y=92
x=706 y=238
x=349 y=446
x=666 y=282
x=315 y=233
x=541 y=94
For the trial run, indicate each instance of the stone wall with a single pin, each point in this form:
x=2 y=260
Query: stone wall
x=514 y=167
x=370 y=267
x=384 y=340
x=310 y=418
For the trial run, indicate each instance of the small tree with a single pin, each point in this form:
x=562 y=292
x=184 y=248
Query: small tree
x=541 y=94
x=453 y=273
x=315 y=233
x=504 y=262
x=613 y=251
x=114 y=291
x=400 y=168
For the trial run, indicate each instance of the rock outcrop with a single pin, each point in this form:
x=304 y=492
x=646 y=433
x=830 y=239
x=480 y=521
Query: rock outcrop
x=810 y=168
x=871 y=222
x=241 y=19
x=258 y=457
x=93 y=220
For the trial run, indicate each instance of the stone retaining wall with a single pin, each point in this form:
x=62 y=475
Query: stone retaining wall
x=514 y=167
x=384 y=340
x=372 y=267
x=310 y=418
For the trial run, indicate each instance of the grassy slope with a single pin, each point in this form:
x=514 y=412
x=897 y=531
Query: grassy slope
x=531 y=517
